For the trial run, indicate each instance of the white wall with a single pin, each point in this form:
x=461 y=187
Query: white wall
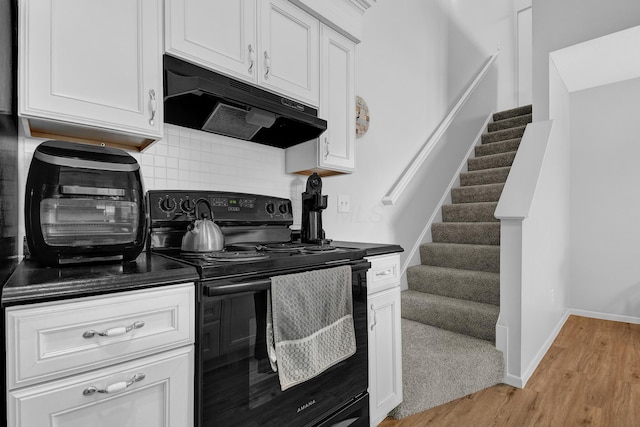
x=415 y=60
x=561 y=23
x=605 y=201
x=546 y=244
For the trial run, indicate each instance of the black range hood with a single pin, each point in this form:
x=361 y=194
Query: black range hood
x=201 y=99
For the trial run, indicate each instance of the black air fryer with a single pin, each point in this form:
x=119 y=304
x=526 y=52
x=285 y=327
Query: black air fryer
x=83 y=203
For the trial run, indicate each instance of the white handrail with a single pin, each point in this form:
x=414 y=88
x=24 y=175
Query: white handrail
x=407 y=175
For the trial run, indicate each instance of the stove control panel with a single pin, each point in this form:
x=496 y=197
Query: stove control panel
x=229 y=207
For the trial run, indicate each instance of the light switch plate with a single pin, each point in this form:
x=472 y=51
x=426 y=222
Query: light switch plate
x=344 y=204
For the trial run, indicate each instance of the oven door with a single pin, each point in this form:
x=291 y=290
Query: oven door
x=239 y=388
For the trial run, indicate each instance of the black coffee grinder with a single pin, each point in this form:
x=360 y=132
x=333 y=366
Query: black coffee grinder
x=313 y=203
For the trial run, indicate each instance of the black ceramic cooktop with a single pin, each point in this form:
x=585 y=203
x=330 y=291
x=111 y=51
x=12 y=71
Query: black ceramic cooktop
x=252 y=262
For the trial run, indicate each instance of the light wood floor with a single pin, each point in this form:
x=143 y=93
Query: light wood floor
x=589 y=377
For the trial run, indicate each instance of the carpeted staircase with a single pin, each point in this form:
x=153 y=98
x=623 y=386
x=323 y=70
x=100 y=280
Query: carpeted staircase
x=450 y=310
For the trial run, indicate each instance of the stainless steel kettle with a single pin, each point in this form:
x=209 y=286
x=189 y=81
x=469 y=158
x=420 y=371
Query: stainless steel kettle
x=203 y=235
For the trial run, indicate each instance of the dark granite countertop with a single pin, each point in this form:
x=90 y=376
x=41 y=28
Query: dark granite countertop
x=371 y=249
x=31 y=283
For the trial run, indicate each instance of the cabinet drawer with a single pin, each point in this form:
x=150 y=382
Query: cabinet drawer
x=384 y=273
x=58 y=339
x=153 y=391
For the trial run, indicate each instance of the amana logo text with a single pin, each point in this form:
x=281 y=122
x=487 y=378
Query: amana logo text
x=306 y=405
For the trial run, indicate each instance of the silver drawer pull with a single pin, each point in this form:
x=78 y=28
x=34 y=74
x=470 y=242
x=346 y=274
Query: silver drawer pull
x=114 y=332
x=384 y=273
x=375 y=317
x=113 y=388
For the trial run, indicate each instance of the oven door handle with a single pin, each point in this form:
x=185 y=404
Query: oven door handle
x=265 y=284
x=234 y=288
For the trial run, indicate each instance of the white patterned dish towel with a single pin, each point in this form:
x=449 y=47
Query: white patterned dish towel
x=309 y=323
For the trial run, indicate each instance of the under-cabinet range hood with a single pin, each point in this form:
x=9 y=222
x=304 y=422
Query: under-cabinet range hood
x=201 y=99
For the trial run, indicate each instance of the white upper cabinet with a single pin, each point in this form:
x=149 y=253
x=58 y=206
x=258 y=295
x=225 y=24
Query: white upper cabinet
x=269 y=43
x=343 y=15
x=337 y=102
x=334 y=151
x=216 y=34
x=91 y=70
x=288 y=59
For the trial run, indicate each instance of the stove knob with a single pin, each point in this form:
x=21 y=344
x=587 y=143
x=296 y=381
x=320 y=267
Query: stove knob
x=167 y=205
x=271 y=208
x=188 y=205
x=283 y=208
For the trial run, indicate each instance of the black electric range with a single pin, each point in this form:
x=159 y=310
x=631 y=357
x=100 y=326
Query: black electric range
x=234 y=384
x=256 y=229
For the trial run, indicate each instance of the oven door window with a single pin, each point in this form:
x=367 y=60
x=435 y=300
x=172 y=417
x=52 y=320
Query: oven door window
x=239 y=387
x=88 y=221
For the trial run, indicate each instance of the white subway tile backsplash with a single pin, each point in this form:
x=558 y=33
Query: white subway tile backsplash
x=172 y=174
x=172 y=162
x=160 y=161
x=187 y=159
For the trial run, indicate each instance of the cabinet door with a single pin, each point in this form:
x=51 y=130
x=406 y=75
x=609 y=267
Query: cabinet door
x=385 y=354
x=154 y=391
x=91 y=63
x=337 y=101
x=217 y=34
x=288 y=60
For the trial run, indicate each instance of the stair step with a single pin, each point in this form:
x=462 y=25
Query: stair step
x=471 y=318
x=440 y=366
x=484 y=176
x=518 y=111
x=491 y=161
x=479 y=286
x=476 y=233
x=502 y=135
x=477 y=193
x=497 y=147
x=469 y=212
x=509 y=123
x=462 y=256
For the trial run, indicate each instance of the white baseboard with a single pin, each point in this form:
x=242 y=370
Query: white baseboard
x=521 y=381
x=513 y=381
x=605 y=316
x=543 y=350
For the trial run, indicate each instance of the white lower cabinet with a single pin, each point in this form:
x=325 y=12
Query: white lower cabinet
x=385 y=337
x=155 y=391
x=117 y=360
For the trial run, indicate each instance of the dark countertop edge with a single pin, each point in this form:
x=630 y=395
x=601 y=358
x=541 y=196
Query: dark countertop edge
x=371 y=249
x=30 y=283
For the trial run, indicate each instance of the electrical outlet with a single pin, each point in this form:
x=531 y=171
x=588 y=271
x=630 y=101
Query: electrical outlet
x=344 y=204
